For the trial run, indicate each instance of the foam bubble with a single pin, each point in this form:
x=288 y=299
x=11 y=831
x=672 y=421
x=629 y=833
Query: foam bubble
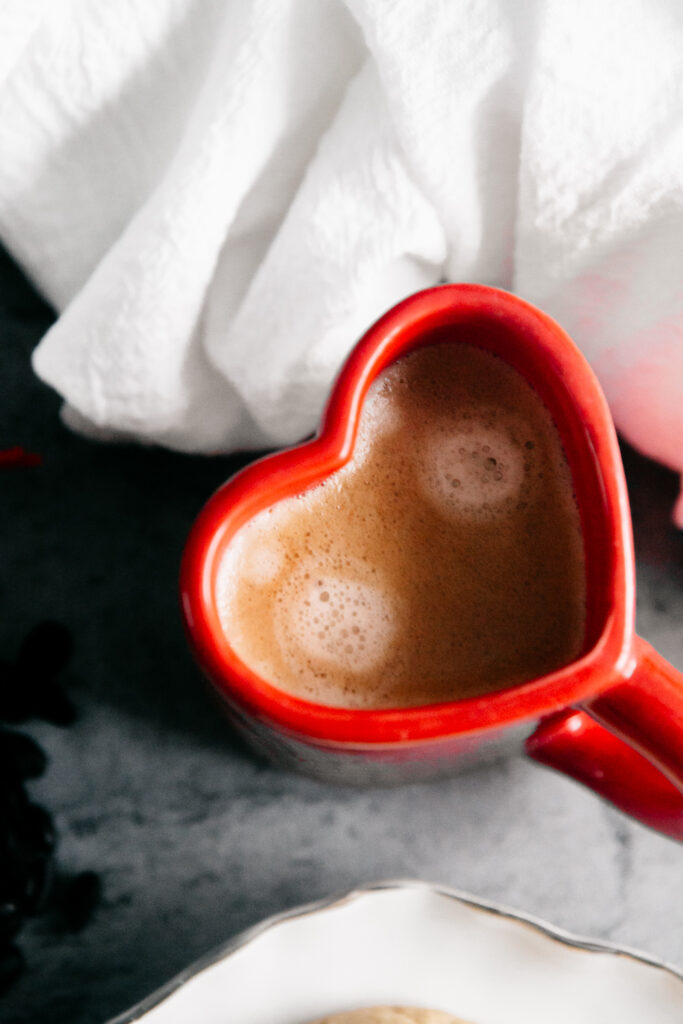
x=381 y=417
x=472 y=466
x=382 y=414
x=333 y=620
x=255 y=555
x=263 y=561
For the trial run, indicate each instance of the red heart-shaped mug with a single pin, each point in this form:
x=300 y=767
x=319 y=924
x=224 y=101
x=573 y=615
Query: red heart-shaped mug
x=612 y=719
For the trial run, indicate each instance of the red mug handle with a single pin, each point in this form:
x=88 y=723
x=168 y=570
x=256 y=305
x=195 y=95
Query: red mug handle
x=626 y=743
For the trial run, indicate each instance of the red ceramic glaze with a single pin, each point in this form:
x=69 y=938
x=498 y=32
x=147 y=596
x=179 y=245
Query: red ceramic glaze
x=626 y=743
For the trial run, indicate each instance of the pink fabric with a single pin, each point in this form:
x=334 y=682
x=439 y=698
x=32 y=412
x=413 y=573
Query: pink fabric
x=646 y=396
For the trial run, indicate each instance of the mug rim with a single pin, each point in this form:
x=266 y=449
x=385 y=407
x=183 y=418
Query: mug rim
x=268 y=480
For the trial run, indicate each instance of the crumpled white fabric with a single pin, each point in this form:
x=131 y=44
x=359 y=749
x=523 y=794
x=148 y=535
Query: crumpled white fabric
x=220 y=195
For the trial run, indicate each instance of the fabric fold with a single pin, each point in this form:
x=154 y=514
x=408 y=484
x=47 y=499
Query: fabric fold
x=219 y=196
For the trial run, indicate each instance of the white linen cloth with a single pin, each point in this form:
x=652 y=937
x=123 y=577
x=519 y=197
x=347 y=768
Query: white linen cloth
x=218 y=196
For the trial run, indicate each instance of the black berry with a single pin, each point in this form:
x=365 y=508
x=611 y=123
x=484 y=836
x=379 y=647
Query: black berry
x=15 y=704
x=81 y=897
x=20 y=756
x=10 y=921
x=37 y=829
x=51 y=703
x=11 y=965
x=28 y=688
x=46 y=649
x=37 y=884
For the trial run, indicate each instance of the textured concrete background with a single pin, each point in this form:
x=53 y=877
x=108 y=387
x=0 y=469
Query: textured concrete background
x=195 y=840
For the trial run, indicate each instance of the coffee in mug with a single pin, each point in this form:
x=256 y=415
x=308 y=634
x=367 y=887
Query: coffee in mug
x=443 y=561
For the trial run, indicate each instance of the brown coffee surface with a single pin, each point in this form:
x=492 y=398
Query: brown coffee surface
x=445 y=560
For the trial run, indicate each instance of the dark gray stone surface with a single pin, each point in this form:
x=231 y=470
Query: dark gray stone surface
x=193 y=838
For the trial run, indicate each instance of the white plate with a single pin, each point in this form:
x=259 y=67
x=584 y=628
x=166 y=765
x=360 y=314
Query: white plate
x=408 y=943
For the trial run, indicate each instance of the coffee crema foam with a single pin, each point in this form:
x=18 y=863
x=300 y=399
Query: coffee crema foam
x=445 y=560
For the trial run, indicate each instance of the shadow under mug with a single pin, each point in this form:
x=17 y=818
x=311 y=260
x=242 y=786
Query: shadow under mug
x=612 y=719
